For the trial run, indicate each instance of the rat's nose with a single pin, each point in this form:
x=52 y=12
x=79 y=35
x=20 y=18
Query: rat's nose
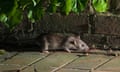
x=87 y=49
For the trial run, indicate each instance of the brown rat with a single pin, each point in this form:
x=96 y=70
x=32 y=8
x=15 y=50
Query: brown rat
x=59 y=41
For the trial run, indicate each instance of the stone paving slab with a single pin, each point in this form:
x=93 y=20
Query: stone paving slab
x=7 y=55
x=112 y=66
x=52 y=62
x=89 y=62
x=9 y=68
x=103 y=71
x=72 y=70
x=97 y=61
x=21 y=60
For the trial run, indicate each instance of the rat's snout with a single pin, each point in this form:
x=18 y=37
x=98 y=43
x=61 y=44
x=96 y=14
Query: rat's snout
x=87 y=49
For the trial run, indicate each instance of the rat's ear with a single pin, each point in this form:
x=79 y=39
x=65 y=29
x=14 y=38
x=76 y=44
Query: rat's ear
x=77 y=35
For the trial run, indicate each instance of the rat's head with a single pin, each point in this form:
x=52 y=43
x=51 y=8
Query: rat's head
x=81 y=45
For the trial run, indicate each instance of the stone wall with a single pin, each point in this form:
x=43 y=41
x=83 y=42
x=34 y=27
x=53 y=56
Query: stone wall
x=60 y=23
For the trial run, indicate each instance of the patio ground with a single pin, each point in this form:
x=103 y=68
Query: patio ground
x=96 y=61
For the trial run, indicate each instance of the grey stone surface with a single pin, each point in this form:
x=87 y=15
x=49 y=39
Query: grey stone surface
x=52 y=62
x=7 y=55
x=72 y=70
x=61 y=62
x=9 y=67
x=21 y=60
x=112 y=66
x=89 y=62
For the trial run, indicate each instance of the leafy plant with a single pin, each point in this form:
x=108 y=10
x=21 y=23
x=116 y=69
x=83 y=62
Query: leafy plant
x=12 y=11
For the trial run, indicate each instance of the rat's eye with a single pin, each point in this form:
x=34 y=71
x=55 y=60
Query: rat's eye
x=82 y=45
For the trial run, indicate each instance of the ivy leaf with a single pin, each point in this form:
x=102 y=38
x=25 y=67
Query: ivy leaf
x=14 y=20
x=74 y=7
x=67 y=7
x=81 y=5
x=3 y=18
x=30 y=16
x=53 y=6
x=100 y=5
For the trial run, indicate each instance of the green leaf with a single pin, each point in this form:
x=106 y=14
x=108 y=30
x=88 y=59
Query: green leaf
x=30 y=16
x=74 y=7
x=3 y=18
x=14 y=20
x=53 y=6
x=81 y=5
x=34 y=2
x=67 y=7
x=100 y=5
